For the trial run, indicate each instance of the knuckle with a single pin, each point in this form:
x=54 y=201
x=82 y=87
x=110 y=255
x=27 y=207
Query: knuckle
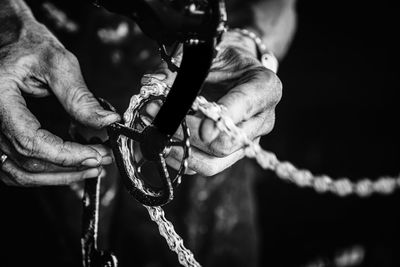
x=63 y=160
x=80 y=95
x=62 y=154
x=25 y=144
x=70 y=57
x=269 y=124
x=17 y=69
x=278 y=90
x=57 y=56
x=25 y=62
x=270 y=86
x=276 y=86
x=51 y=52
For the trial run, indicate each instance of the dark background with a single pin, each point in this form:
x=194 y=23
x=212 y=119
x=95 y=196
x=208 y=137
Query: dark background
x=338 y=115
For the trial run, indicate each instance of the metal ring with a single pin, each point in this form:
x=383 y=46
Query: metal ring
x=3 y=158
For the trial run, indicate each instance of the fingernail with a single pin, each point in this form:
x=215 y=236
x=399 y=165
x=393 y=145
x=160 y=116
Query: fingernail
x=104 y=113
x=107 y=160
x=92 y=173
x=107 y=114
x=92 y=162
x=112 y=118
x=190 y=172
x=160 y=76
x=209 y=131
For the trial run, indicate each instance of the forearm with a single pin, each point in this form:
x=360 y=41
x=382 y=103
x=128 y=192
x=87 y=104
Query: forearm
x=273 y=20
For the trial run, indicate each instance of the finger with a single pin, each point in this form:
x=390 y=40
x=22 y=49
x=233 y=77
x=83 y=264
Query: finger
x=36 y=165
x=105 y=153
x=259 y=90
x=224 y=145
x=176 y=165
x=24 y=132
x=20 y=177
x=6 y=180
x=205 y=164
x=253 y=128
x=67 y=83
x=153 y=107
x=29 y=164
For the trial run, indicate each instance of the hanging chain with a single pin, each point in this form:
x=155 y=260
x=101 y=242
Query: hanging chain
x=174 y=241
x=154 y=87
x=286 y=170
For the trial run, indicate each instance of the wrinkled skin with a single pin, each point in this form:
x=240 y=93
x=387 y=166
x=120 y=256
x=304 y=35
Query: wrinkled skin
x=250 y=93
x=33 y=63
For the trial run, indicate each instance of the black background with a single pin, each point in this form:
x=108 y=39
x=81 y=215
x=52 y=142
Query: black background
x=338 y=115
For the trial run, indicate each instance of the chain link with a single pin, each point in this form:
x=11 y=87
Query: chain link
x=286 y=170
x=267 y=160
x=174 y=241
x=153 y=87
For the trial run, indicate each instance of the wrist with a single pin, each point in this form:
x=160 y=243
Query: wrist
x=263 y=54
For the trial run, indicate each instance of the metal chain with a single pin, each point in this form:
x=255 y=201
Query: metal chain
x=267 y=160
x=286 y=170
x=351 y=256
x=174 y=241
x=153 y=87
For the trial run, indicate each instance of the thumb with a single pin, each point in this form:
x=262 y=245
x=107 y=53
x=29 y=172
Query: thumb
x=68 y=85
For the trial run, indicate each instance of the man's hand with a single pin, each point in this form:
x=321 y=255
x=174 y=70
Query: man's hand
x=250 y=93
x=34 y=63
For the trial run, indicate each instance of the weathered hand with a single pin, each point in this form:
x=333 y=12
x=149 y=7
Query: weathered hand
x=34 y=63
x=250 y=93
